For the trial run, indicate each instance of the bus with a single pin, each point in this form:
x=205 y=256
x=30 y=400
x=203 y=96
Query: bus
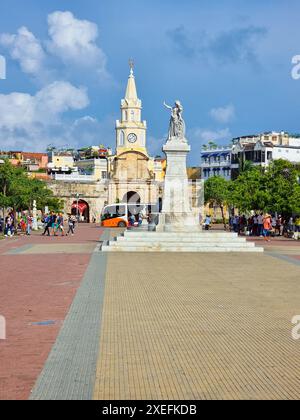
x=121 y=214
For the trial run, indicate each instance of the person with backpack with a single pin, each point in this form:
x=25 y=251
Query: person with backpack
x=47 y=225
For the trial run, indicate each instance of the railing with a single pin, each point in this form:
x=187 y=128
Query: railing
x=215 y=164
x=75 y=178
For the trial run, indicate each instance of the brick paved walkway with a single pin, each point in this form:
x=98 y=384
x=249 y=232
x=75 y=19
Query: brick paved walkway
x=36 y=288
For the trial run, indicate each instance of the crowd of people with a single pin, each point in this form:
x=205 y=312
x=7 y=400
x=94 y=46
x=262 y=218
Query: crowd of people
x=11 y=225
x=266 y=225
x=54 y=223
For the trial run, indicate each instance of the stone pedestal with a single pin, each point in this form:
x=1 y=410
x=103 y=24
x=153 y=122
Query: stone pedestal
x=177 y=215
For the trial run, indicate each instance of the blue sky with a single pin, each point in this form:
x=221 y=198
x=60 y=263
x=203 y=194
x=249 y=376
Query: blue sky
x=229 y=62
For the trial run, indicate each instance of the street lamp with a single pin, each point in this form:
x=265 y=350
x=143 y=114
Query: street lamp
x=77 y=207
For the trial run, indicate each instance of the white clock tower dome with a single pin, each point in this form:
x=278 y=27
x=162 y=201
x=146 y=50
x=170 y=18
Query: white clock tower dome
x=131 y=130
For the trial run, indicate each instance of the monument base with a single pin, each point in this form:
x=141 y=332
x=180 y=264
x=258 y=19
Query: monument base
x=141 y=241
x=178 y=222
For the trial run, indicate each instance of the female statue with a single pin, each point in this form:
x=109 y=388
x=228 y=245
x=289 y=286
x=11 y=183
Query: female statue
x=177 y=124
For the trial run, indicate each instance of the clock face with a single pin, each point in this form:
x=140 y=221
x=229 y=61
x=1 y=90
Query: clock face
x=132 y=138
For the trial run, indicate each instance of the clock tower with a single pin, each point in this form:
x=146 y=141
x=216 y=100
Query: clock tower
x=131 y=130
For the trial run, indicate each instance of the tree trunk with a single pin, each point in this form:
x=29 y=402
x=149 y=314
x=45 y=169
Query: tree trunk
x=3 y=226
x=223 y=217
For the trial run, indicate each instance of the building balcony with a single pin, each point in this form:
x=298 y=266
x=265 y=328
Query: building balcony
x=221 y=164
x=75 y=177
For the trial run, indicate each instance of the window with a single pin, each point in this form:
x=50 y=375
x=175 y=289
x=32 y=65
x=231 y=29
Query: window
x=132 y=115
x=122 y=138
x=269 y=156
x=112 y=212
x=104 y=175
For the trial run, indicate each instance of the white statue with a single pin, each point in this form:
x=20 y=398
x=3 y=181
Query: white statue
x=34 y=216
x=177 y=124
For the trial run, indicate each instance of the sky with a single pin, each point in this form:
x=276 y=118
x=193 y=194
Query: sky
x=228 y=62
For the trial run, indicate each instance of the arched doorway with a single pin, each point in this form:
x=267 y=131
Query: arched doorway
x=132 y=197
x=81 y=210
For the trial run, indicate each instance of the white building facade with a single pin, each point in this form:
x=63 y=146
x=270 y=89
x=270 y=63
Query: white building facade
x=260 y=150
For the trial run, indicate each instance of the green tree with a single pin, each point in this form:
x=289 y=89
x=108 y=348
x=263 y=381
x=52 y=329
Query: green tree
x=249 y=191
x=282 y=180
x=245 y=165
x=212 y=145
x=18 y=191
x=274 y=189
x=217 y=192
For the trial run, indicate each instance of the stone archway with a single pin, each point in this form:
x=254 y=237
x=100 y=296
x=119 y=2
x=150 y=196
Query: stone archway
x=132 y=197
x=81 y=209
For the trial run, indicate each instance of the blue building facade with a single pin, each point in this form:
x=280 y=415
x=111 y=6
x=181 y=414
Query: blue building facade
x=216 y=162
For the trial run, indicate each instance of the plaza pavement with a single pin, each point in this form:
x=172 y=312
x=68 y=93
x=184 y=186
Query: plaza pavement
x=147 y=326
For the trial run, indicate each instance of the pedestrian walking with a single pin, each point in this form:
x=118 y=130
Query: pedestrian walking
x=267 y=226
x=47 y=225
x=29 y=225
x=71 y=225
x=260 y=224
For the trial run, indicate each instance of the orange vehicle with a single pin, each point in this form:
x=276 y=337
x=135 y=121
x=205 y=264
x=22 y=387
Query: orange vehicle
x=118 y=215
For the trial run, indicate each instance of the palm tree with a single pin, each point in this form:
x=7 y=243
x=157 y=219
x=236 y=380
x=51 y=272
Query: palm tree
x=245 y=165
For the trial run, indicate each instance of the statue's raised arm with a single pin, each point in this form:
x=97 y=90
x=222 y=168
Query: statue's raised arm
x=167 y=106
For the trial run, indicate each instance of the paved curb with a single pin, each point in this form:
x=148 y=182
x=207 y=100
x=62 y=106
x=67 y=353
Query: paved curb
x=69 y=373
x=284 y=258
x=17 y=251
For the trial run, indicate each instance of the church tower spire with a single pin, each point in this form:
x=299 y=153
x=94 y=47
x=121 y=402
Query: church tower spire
x=131 y=130
x=131 y=93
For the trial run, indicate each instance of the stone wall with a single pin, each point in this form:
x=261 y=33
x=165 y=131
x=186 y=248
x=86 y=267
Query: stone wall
x=94 y=194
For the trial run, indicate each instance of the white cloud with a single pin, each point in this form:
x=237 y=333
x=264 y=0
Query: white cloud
x=223 y=115
x=74 y=41
x=71 y=48
x=59 y=97
x=87 y=131
x=201 y=136
x=34 y=121
x=25 y=48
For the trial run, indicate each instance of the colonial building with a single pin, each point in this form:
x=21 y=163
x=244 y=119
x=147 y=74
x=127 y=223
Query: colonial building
x=134 y=174
x=86 y=185
x=259 y=149
x=216 y=162
x=262 y=149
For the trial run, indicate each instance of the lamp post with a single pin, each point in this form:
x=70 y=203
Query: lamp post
x=77 y=207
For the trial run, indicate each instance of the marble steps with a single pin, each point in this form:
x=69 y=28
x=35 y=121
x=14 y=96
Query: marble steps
x=179 y=242
x=186 y=240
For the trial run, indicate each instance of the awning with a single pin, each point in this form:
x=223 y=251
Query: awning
x=80 y=206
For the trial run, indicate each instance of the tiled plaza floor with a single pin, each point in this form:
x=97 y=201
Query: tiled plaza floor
x=152 y=326
x=194 y=326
